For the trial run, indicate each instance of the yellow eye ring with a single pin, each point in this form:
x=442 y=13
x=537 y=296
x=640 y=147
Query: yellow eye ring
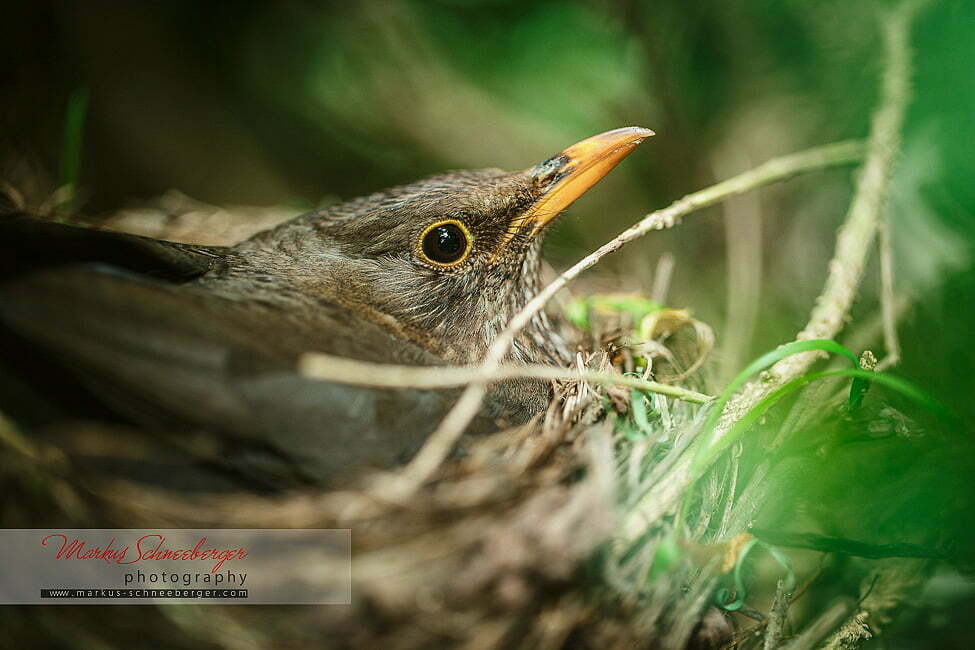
x=445 y=244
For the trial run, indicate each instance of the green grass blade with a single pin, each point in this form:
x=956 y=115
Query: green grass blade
x=638 y=407
x=897 y=384
x=74 y=124
x=704 y=454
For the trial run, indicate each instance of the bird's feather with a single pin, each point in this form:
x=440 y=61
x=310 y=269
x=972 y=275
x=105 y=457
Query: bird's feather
x=116 y=315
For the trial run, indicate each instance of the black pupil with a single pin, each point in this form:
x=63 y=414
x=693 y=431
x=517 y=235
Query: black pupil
x=445 y=244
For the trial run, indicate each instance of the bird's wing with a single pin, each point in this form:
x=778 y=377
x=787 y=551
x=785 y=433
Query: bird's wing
x=162 y=353
x=28 y=244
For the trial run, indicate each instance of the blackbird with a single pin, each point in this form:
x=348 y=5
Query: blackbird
x=161 y=334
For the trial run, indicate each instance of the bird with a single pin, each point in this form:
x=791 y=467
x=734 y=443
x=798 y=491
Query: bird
x=189 y=337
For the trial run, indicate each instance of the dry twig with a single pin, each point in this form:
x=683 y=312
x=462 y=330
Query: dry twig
x=363 y=373
x=775 y=628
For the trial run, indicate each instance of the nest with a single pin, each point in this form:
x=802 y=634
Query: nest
x=506 y=546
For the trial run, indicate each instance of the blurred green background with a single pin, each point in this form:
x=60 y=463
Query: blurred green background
x=295 y=103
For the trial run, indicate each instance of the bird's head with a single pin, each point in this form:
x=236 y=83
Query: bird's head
x=447 y=261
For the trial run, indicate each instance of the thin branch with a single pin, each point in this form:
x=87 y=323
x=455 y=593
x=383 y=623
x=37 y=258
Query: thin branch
x=775 y=628
x=381 y=375
x=438 y=446
x=845 y=269
x=888 y=300
x=821 y=626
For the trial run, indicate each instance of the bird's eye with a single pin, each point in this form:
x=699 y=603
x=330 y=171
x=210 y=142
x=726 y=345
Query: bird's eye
x=445 y=244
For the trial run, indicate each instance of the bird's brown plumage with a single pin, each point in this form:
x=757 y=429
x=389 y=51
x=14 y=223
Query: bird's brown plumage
x=173 y=335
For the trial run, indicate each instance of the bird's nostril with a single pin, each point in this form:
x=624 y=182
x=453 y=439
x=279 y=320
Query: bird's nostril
x=550 y=171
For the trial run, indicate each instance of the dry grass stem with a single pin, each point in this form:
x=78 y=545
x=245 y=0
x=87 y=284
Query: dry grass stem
x=888 y=299
x=362 y=373
x=661 y=278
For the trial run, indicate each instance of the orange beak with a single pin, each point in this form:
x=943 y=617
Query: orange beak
x=571 y=173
